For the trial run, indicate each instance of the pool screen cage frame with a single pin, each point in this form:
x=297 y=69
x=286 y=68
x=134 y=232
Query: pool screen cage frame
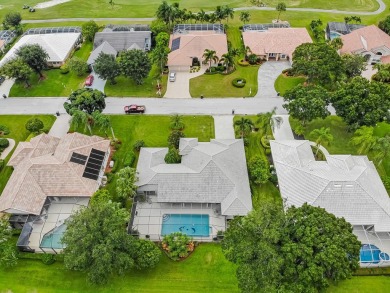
x=180 y=208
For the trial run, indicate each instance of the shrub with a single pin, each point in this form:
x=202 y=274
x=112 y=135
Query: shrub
x=48 y=259
x=174 y=138
x=265 y=141
x=259 y=170
x=177 y=245
x=1 y=164
x=288 y=72
x=4 y=143
x=147 y=254
x=4 y=130
x=386 y=181
x=172 y=156
x=138 y=145
x=243 y=62
x=64 y=69
x=239 y=82
x=252 y=58
x=246 y=141
x=129 y=159
x=34 y=125
x=268 y=151
x=221 y=68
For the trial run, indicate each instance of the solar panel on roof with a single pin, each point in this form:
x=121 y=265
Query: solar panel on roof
x=78 y=159
x=94 y=164
x=175 y=44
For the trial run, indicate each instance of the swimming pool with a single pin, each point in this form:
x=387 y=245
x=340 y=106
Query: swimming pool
x=370 y=253
x=53 y=239
x=334 y=35
x=192 y=225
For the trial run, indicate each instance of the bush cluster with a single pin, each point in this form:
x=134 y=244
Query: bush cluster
x=239 y=82
x=4 y=143
x=4 y=130
x=243 y=62
x=138 y=145
x=177 y=245
x=129 y=159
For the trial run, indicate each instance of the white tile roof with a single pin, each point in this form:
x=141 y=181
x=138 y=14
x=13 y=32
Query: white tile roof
x=58 y=46
x=212 y=172
x=42 y=168
x=347 y=186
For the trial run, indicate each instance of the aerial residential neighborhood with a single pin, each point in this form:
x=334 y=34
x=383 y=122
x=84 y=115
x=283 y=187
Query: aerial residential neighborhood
x=232 y=146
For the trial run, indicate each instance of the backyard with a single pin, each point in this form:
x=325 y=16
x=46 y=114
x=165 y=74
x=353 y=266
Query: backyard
x=55 y=84
x=18 y=132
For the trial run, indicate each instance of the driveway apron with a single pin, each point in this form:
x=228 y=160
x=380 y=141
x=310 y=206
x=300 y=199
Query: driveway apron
x=267 y=74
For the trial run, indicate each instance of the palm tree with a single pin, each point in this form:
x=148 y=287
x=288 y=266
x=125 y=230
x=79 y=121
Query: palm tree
x=364 y=139
x=79 y=117
x=321 y=136
x=245 y=16
x=159 y=56
x=201 y=16
x=228 y=12
x=244 y=126
x=164 y=12
x=336 y=43
x=177 y=122
x=234 y=52
x=280 y=7
x=103 y=121
x=382 y=148
x=227 y=60
x=267 y=122
x=247 y=51
x=209 y=56
x=219 y=14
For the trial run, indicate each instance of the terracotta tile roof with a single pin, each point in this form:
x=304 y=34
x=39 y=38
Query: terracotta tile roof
x=276 y=40
x=366 y=39
x=193 y=44
x=42 y=168
x=385 y=59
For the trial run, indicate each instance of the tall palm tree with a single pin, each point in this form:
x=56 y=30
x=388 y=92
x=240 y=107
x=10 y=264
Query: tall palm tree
x=210 y=56
x=244 y=126
x=245 y=16
x=104 y=122
x=382 y=148
x=177 y=122
x=201 y=16
x=322 y=137
x=364 y=139
x=234 y=52
x=79 y=118
x=164 y=12
x=280 y=7
x=228 y=12
x=227 y=60
x=267 y=122
x=159 y=56
x=219 y=13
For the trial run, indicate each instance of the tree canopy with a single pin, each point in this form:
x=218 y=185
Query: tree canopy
x=34 y=125
x=86 y=100
x=354 y=64
x=300 y=250
x=361 y=102
x=135 y=64
x=35 y=56
x=78 y=66
x=307 y=103
x=106 y=67
x=97 y=243
x=12 y=20
x=384 y=25
x=89 y=29
x=318 y=61
x=259 y=171
x=125 y=183
x=8 y=254
x=18 y=69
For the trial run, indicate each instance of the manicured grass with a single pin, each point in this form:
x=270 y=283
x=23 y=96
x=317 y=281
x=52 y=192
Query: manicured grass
x=220 y=86
x=284 y=83
x=125 y=87
x=138 y=8
x=206 y=270
x=85 y=50
x=55 y=84
x=18 y=132
x=377 y=284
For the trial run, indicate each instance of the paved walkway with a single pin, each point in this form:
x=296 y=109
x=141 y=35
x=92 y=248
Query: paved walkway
x=6 y=152
x=267 y=74
x=60 y=126
x=224 y=128
x=5 y=87
x=180 y=89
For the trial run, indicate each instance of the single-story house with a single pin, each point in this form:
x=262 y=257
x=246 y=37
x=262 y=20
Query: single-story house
x=196 y=196
x=104 y=47
x=125 y=37
x=275 y=43
x=58 y=46
x=338 y=29
x=188 y=43
x=370 y=42
x=52 y=178
x=345 y=185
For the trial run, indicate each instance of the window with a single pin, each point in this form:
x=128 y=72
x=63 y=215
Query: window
x=152 y=192
x=272 y=55
x=282 y=56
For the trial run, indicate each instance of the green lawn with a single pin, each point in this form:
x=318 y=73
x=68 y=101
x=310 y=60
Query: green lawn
x=18 y=132
x=220 y=86
x=377 y=284
x=125 y=87
x=138 y=8
x=284 y=83
x=85 y=50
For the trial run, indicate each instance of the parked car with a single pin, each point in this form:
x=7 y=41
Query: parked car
x=172 y=76
x=134 y=109
x=2 y=78
x=89 y=80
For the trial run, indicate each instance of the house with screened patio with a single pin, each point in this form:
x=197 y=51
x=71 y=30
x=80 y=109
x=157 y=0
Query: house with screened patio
x=197 y=196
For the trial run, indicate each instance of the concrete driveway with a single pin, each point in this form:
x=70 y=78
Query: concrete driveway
x=5 y=87
x=98 y=83
x=180 y=89
x=369 y=72
x=223 y=125
x=266 y=76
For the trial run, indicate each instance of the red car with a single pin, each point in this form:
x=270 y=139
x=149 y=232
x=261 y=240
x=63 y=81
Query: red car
x=89 y=80
x=134 y=109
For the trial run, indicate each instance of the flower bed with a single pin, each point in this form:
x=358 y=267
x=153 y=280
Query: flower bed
x=239 y=82
x=177 y=245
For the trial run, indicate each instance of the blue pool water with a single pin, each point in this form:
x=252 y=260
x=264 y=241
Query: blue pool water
x=192 y=225
x=53 y=239
x=334 y=35
x=370 y=253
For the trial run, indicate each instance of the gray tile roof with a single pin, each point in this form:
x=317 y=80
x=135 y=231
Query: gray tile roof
x=123 y=40
x=347 y=186
x=104 y=47
x=212 y=172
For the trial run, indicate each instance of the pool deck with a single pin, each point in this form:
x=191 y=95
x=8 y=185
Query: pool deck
x=148 y=218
